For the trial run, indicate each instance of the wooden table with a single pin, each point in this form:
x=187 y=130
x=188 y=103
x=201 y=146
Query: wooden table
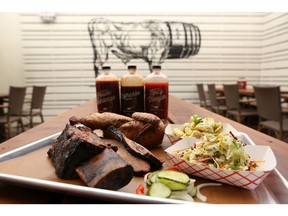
x=179 y=112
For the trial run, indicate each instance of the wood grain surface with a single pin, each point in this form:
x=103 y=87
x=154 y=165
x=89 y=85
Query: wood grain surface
x=37 y=165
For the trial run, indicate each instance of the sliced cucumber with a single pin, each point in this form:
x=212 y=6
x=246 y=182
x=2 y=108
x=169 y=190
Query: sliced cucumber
x=173 y=179
x=175 y=186
x=159 y=189
x=175 y=176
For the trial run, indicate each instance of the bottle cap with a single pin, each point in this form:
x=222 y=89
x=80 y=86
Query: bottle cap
x=156 y=66
x=132 y=67
x=106 y=68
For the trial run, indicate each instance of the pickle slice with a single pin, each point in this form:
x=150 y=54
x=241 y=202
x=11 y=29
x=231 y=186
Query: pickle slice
x=173 y=179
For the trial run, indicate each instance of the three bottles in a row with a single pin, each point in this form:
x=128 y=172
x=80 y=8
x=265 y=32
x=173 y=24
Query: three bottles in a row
x=133 y=93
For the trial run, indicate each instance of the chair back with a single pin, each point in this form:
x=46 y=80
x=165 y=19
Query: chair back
x=231 y=92
x=212 y=94
x=268 y=102
x=16 y=100
x=201 y=94
x=38 y=94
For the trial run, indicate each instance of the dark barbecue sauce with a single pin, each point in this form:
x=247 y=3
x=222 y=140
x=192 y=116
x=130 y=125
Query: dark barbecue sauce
x=156 y=99
x=107 y=93
x=132 y=99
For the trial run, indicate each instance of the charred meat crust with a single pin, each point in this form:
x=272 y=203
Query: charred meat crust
x=72 y=147
x=140 y=166
x=144 y=128
x=106 y=170
x=133 y=147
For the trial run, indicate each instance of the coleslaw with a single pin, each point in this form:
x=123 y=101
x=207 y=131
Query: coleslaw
x=223 y=151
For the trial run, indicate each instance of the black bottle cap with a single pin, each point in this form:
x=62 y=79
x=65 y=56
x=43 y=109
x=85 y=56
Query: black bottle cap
x=106 y=68
x=156 y=66
x=132 y=67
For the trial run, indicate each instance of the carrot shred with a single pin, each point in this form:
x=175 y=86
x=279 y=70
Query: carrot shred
x=173 y=168
x=254 y=164
x=140 y=189
x=176 y=151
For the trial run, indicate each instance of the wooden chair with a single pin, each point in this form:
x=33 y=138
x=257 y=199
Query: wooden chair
x=202 y=96
x=217 y=102
x=268 y=100
x=234 y=106
x=14 y=108
x=36 y=104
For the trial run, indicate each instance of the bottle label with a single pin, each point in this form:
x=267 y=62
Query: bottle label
x=105 y=96
x=132 y=100
x=107 y=93
x=156 y=97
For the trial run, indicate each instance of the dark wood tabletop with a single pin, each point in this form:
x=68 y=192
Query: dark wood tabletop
x=179 y=112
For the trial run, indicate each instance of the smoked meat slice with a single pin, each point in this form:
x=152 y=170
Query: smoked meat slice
x=140 y=166
x=106 y=170
x=72 y=147
x=133 y=147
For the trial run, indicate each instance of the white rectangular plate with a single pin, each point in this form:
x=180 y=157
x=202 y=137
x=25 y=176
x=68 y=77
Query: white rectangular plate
x=95 y=193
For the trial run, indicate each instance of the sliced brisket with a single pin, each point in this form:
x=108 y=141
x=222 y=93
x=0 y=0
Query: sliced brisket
x=140 y=166
x=72 y=147
x=106 y=170
x=133 y=147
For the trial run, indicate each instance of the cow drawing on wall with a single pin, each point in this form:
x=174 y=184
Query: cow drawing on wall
x=153 y=41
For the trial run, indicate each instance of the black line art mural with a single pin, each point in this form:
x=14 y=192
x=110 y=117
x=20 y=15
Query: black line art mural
x=153 y=41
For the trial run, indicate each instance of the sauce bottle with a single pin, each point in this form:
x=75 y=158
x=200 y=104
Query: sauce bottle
x=132 y=92
x=156 y=93
x=242 y=83
x=107 y=91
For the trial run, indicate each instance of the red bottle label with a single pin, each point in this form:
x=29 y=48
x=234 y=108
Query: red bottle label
x=132 y=99
x=107 y=93
x=156 y=99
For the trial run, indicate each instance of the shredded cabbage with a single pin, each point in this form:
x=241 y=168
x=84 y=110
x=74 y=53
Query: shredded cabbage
x=223 y=151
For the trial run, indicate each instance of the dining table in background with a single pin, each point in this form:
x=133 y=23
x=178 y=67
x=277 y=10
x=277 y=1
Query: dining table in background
x=249 y=92
x=284 y=96
x=275 y=184
x=3 y=97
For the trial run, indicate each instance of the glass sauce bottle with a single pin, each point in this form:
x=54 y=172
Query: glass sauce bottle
x=156 y=93
x=107 y=91
x=132 y=92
